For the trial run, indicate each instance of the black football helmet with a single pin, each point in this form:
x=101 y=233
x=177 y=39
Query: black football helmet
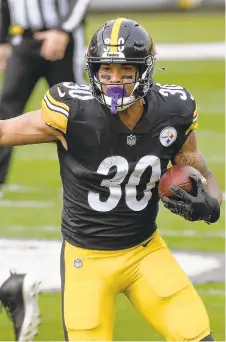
x=121 y=41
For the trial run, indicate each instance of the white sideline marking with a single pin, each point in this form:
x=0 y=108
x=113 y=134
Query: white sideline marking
x=212 y=292
x=164 y=232
x=193 y=233
x=26 y=153
x=26 y=204
x=219 y=159
x=215 y=160
x=29 y=157
x=217 y=109
x=191 y=51
x=23 y=188
x=27 y=189
x=42 y=259
x=42 y=228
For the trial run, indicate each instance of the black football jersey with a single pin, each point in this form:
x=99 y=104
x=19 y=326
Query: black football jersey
x=110 y=173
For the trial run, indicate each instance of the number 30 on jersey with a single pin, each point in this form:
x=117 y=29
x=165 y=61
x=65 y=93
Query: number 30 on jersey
x=114 y=184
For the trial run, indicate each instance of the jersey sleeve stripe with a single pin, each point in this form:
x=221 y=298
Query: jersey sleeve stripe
x=57 y=103
x=194 y=124
x=195 y=114
x=54 y=119
x=55 y=108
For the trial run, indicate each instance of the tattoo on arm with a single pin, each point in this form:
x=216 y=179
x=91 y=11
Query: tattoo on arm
x=187 y=160
x=190 y=155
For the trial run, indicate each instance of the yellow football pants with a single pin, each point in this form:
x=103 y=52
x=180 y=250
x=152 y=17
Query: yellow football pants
x=149 y=276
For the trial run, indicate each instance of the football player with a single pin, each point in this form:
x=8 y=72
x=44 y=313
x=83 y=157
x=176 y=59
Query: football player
x=115 y=138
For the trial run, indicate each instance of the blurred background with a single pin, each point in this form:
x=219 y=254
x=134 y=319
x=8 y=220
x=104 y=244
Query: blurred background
x=190 y=41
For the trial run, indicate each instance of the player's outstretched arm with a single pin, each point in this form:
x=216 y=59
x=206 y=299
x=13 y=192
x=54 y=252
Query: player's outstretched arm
x=29 y=128
x=190 y=155
x=205 y=204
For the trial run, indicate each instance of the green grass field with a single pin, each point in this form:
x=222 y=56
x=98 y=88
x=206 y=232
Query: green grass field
x=34 y=176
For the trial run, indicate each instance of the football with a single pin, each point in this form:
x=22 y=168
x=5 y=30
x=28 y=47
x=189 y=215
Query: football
x=178 y=175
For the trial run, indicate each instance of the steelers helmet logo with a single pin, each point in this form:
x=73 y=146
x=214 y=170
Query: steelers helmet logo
x=167 y=136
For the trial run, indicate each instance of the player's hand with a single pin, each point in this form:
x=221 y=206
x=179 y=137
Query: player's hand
x=193 y=208
x=3 y=56
x=54 y=44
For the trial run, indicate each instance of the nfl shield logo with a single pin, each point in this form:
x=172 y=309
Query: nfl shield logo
x=131 y=140
x=77 y=263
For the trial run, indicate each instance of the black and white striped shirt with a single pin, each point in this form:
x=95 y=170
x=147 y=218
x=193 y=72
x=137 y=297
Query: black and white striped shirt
x=37 y=15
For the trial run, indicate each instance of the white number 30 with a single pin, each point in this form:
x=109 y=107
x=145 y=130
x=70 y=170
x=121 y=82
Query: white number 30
x=167 y=89
x=115 y=188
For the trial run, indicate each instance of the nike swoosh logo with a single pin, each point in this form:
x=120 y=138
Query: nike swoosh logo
x=146 y=243
x=61 y=93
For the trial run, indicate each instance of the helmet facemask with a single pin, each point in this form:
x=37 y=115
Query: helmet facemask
x=116 y=97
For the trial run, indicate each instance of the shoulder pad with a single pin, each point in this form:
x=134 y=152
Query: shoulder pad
x=56 y=107
x=61 y=100
x=180 y=103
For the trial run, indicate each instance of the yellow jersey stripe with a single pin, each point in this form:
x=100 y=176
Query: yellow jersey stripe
x=54 y=119
x=195 y=114
x=195 y=119
x=55 y=108
x=114 y=34
x=194 y=124
x=55 y=102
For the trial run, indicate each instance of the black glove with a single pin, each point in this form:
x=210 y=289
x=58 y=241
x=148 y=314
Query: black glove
x=193 y=208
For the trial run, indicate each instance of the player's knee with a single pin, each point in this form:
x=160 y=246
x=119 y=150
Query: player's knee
x=208 y=338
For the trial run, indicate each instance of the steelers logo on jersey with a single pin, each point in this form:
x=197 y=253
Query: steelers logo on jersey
x=167 y=136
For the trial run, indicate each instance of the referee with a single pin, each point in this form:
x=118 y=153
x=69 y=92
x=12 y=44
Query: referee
x=47 y=40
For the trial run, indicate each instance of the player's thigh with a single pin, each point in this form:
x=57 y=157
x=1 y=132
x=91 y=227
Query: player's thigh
x=88 y=300
x=20 y=78
x=166 y=298
x=61 y=70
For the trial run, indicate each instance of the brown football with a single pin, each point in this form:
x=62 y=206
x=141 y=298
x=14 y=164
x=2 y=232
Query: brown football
x=178 y=175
